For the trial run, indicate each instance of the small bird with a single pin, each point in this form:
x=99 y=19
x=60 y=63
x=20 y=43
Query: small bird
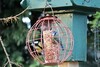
x=55 y=34
x=37 y=46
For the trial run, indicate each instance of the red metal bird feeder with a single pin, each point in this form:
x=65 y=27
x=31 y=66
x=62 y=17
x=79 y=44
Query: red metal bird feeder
x=49 y=41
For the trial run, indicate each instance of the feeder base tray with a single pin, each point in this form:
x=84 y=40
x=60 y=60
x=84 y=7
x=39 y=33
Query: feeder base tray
x=50 y=64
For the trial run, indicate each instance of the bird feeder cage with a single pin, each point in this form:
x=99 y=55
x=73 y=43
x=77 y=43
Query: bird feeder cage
x=49 y=41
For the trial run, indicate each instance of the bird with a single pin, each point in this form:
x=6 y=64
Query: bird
x=37 y=46
x=55 y=34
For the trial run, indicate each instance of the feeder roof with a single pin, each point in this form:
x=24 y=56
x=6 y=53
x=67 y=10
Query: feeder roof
x=83 y=5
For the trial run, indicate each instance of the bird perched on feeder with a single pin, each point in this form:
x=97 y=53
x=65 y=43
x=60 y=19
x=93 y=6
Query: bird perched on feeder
x=55 y=34
x=36 y=43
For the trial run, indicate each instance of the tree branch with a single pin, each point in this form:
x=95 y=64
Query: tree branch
x=10 y=18
x=5 y=52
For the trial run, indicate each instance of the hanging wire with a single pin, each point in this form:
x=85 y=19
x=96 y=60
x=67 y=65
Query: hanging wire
x=47 y=4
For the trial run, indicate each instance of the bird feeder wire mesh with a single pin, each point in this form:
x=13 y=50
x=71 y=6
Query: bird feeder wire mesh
x=49 y=41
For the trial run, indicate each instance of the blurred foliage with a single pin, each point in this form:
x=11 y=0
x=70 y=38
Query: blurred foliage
x=14 y=35
x=96 y=21
x=93 y=25
x=16 y=32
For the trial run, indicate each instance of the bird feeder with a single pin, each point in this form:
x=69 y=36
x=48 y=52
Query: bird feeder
x=73 y=14
x=55 y=39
